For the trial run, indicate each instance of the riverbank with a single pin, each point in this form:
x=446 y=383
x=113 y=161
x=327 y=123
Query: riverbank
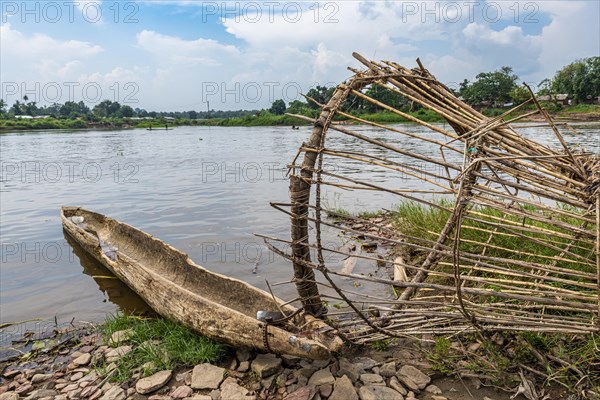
x=579 y=113
x=86 y=363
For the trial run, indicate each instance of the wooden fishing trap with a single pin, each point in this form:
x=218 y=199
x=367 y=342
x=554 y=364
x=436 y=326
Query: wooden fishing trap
x=517 y=247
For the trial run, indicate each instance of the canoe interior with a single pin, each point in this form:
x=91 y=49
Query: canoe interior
x=175 y=265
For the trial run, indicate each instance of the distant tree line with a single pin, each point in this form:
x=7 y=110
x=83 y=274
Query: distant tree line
x=580 y=81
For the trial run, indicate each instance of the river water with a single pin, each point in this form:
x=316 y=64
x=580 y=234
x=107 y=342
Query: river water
x=204 y=190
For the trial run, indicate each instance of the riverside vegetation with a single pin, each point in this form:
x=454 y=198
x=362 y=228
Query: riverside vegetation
x=492 y=92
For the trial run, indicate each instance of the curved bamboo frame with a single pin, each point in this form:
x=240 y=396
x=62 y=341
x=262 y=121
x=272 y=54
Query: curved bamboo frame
x=453 y=288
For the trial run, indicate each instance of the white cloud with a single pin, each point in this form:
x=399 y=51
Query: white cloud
x=41 y=46
x=281 y=49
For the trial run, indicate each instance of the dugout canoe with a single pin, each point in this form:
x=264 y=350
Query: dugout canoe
x=209 y=303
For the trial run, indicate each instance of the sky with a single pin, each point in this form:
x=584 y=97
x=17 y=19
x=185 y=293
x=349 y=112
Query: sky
x=191 y=55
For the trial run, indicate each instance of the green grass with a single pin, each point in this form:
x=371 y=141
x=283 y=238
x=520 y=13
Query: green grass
x=426 y=222
x=158 y=344
x=582 y=108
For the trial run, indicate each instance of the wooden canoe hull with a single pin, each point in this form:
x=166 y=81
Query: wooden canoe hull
x=211 y=304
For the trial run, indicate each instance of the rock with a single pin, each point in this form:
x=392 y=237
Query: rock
x=320 y=364
x=349 y=369
x=388 y=369
x=88 y=391
x=153 y=382
x=201 y=397
x=364 y=363
x=244 y=366
x=438 y=398
x=290 y=360
x=215 y=394
x=114 y=393
x=322 y=377
x=207 y=376
x=74 y=394
x=266 y=364
x=343 y=389
x=304 y=393
x=83 y=359
x=11 y=374
x=325 y=390
x=433 y=389
x=378 y=393
x=243 y=355
x=41 y=393
x=233 y=391
x=9 y=396
x=69 y=388
x=121 y=336
x=96 y=394
x=26 y=388
x=89 y=377
x=418 y=377
x=77 y=376
x=37 y=378
x=371 y=379
x=117 y=353
x=409 y=383
x=182 y=392
x=397 y=386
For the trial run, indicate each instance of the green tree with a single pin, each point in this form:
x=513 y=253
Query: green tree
x=386 y=96
x=297 y=107
x=580 y=79
x=519 y=94
x=126 y=111
x=2 y=108
x=321 y=94
x=278 y=107
x=489 y=88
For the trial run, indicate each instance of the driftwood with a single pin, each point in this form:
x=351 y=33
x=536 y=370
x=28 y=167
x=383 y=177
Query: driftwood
x=546 y=196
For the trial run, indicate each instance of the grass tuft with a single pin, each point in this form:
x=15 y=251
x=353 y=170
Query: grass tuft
x=158 y=344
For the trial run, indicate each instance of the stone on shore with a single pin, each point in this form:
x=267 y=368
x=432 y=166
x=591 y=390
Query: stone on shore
x=207 y=376
x=349 y=369
x=83 y=359
x=9 y=396
x=153 y=382
x=182 y=392
x=40 y=394
x=304 y=393
x=343 y=389
x=321 y=377
x=233 y=391
x=114 y=393
x=121 y=336
x=410 y=373
x=37 y=378
x=117 y=353
x=265 y=365
x=378 y=393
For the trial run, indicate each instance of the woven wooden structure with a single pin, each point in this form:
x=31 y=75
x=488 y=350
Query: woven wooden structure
x=496 y=182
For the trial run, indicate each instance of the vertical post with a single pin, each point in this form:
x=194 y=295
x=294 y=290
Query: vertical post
x=300 y=186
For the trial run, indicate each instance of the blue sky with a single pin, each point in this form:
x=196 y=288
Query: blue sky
x=179 y=55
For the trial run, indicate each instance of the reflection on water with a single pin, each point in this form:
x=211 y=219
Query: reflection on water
x=116 y=291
